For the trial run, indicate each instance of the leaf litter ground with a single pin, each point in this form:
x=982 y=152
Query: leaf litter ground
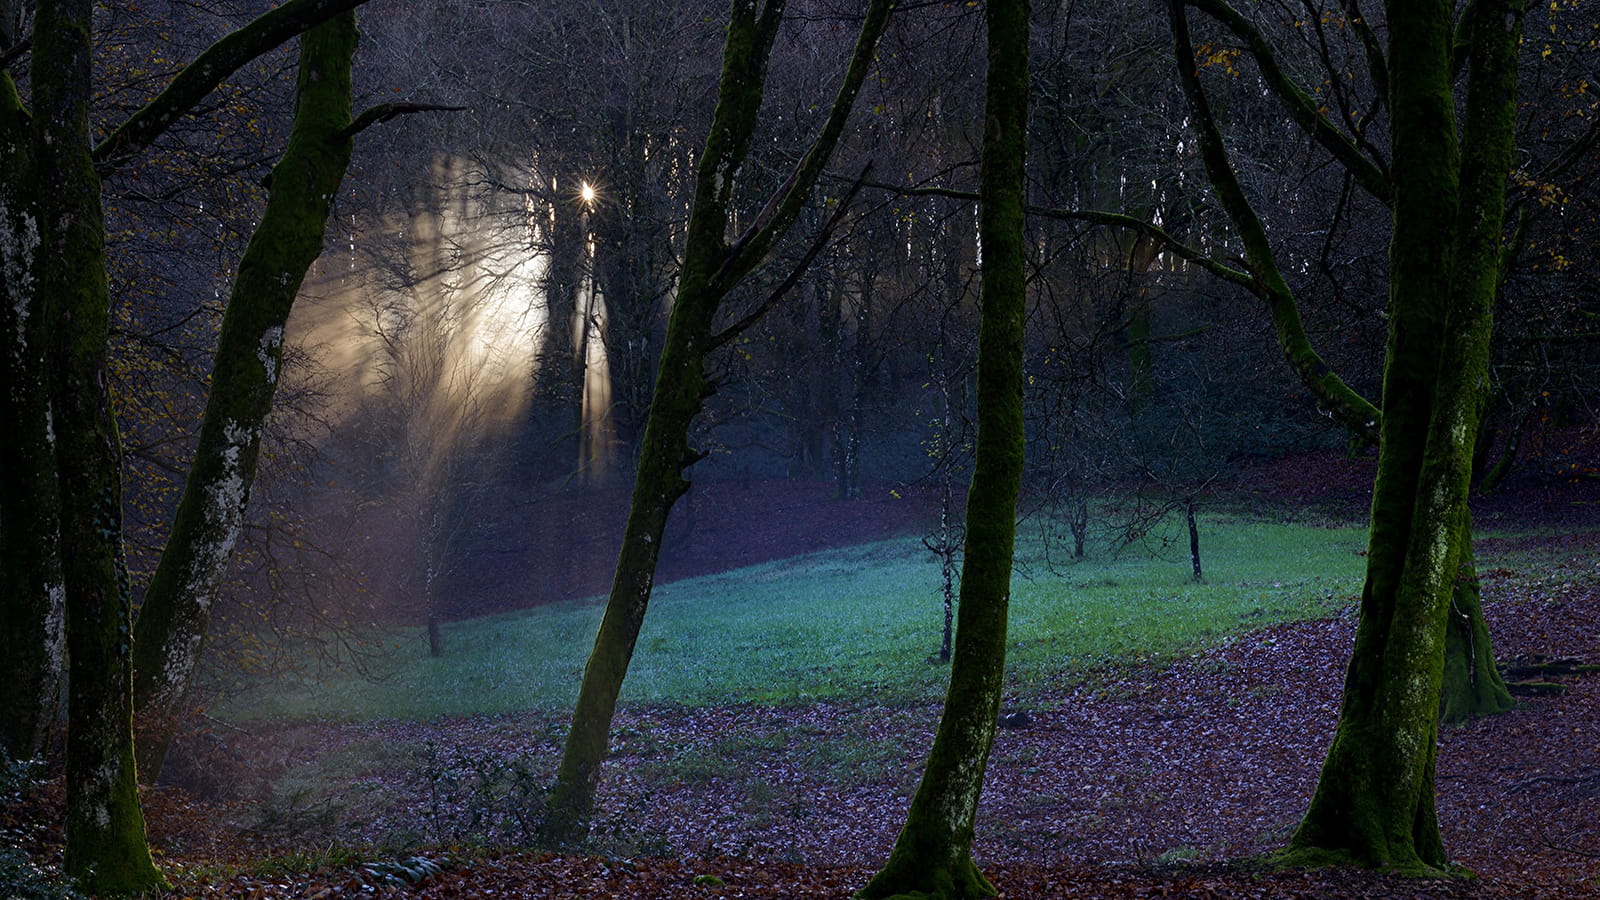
x=1143 y=783
x=1140 y=782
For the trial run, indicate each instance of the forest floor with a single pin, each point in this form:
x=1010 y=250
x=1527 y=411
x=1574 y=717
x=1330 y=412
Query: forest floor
x=1142 y=784
x=1142 y=781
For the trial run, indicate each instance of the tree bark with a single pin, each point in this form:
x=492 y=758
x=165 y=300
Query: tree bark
x=1374 y=804
x=1469 y=633
x=1472 y=684
x=932 y=857
x=32 y=611
x=105 y=835
x=176 y=613
x=711 y=268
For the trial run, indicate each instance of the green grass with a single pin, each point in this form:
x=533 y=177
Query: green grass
x=858 y=623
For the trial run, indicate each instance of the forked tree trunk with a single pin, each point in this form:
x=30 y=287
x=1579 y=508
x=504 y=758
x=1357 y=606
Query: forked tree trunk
x=171 y=629
x=1374 y=804
x=55 y=278
x=711 y=268
x=1469 y=634
x=932 y=857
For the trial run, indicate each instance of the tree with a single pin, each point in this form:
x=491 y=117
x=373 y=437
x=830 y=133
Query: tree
x=171 y=628
x=932 y=856
x=712 y=267
x=56 y=296
x=1472 y=685
x=1374 y=804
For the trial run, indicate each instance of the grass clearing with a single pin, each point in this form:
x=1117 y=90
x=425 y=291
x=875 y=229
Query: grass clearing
x=857 y=622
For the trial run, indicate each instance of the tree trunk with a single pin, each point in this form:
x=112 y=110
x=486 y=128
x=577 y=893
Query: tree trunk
x=171 y=629
x=1472 y=685
x=1374 y=804
x=680 y=389
x=932 y=857
x=32 y=615
x=1363 y=419
x=1194 y=539
x=105 y=835
x=711 y=268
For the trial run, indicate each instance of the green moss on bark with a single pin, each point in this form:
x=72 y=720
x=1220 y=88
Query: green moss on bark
x=932 y=857
x=176 y=613
x=1472 y=684
x=1374 y=803
x=711 y=268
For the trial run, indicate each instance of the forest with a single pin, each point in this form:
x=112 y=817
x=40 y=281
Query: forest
x=799 y=448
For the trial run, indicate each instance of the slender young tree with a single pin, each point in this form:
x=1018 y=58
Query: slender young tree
x=712 y=266
x=932 y=857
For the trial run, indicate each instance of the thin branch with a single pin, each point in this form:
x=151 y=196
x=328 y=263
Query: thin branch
x=752 y=247
x=1332 y=393
x=16 y=52
x=1592 y=777
x=383 y=112
x=1377 y=63
x=1299 y=105
x=1137 y=225
x=208 y=70
x=778 y=293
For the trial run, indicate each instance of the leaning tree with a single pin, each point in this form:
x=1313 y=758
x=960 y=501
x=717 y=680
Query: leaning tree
x=712 y=267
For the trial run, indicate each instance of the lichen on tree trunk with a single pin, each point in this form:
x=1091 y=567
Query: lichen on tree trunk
x=32 y=612
x=105 y=836
x=173 y=620
x=932 y=857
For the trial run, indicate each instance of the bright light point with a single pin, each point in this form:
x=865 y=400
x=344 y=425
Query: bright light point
x=587 y=191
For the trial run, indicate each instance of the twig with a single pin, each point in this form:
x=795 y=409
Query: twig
x=383 y=112
x=1593 y=776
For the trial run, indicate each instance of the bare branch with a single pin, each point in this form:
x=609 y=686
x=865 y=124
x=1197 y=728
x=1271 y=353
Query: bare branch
x=16 y=52
x=777 y=295
x=1301 y=108
x=202 y=76
x=383 y=112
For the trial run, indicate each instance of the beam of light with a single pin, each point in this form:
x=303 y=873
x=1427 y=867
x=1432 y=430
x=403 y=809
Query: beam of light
x=588 y=194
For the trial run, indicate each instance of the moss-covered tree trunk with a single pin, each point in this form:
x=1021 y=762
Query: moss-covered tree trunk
x=105 y=836
x=712 y=266
x=932 y=857
x=173 y=620
x=1480 y=690
x=32 y=612
x=1374 y=804
x=1472 y=685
